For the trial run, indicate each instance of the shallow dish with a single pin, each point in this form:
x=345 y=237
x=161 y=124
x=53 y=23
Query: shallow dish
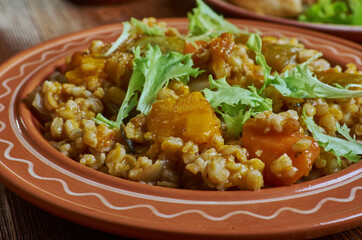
x=353 y=33
x=31 y=168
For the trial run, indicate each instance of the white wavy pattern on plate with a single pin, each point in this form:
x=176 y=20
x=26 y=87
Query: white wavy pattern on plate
x=155 y=211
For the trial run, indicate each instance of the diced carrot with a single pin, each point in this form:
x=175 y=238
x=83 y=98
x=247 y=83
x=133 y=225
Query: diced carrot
x=269 y=146
x=85 y=69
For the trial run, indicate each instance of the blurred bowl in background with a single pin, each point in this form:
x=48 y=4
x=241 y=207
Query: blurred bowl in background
x=349 y=32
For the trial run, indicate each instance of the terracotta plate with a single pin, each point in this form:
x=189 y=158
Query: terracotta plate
x=46 y=178
x=350 y=32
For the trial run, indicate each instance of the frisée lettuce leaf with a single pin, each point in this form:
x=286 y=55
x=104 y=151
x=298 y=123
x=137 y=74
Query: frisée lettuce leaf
x=235 y=104
x=336 y=12
x=205 y=24
x=156 y=70
x=254 y=43
x=150 y=31
x=351 y=85
x=356 y=7
x=299 y=81
x=348 y=148
x=131 y=27
x=121 y=39
x=150 y=73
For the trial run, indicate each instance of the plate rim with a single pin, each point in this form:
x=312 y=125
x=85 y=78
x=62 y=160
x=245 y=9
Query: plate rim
x=54 y=209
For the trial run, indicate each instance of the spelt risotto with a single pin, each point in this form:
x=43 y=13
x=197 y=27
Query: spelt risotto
x=219 y=108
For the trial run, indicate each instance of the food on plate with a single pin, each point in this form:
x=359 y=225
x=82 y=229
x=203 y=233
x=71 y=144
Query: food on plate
x=218 y=108
x=280 y=8
x=319 y=11
x=335 y=12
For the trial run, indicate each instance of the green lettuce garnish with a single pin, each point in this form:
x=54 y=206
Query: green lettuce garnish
x=150 y=31
x=121 y=39
x=351 y=85
x=348 y=148
x=356 y=6
x=254 y=43
x=235 y=104
x=335 y=12
x=131 y=27
x=150 y=73
x=205 y=24
x=298 y=82
x=155 y=70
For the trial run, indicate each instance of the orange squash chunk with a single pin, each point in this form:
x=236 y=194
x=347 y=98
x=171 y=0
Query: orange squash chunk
x=86 y=69
x=270 y=146
x=190 y=117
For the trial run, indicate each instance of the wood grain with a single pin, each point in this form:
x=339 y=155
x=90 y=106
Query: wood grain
x=25 y=23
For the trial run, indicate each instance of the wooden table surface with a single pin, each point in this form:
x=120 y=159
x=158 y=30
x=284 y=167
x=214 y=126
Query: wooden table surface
x=25 y=23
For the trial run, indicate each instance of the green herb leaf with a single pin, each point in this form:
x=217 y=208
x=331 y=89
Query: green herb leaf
x=235 y=122
x=298 y=82
x=128 y=30
x=335 y=12
x=121 y=39
x=206 y=24
x=156 y=70
x=129 y=102
x=254 y=43
x=150 y=74
x=150 y=31
x=326 y=11
x=235 y=104
x=349 y=148
x=100 y=119
x=347 y=86
x=356 y=7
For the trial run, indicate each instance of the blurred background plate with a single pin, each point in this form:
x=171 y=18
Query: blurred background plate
x=353 y=33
